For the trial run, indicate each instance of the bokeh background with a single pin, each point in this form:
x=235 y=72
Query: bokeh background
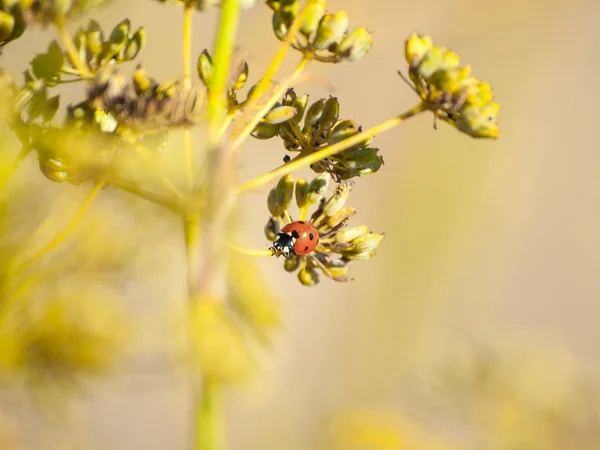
x=491 y=252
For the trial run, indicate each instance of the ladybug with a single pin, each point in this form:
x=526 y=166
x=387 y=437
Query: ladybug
x=296 y=238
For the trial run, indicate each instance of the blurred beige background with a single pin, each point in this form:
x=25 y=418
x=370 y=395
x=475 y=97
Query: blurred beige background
x=485 y=240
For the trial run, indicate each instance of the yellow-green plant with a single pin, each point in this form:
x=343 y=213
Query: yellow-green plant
x=115 y=137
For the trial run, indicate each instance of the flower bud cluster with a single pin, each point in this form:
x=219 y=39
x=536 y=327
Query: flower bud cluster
x=143 y=103
x=43 y=12
x=338 y=243
x=449 y=90
x=322 y=35
x=237 y=79
x=120 y=46
x=321 y=128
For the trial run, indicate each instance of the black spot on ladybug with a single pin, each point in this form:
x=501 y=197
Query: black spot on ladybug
x=295 y=234
x=311 y=237
x=300 y=221
x=306 y=248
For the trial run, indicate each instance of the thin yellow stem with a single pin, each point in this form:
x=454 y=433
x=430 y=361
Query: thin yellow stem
x=210 y=414
x=276 y=61
x=60 y=237
x=330 y=150
x=225 y=41
x=274 y=98
x=72 y=52
x=249 y=251
x=177 y=205
x=188 y=14
x=168 y=184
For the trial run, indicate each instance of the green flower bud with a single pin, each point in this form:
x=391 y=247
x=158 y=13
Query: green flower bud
x=437 y=59
x=348 y=234
x=343 y=130
x=135 y=44
x=205 y=68
x=94 y=39
x=331 y=28
x=291 y=99
x=301 y=193
x=479 y=123
x=331 y=113
x=274 y=203
x=264 y=131
x=355 y=45
x=280 y=26
x=336 y=202
x=308 y=277
x=314 y=12
x=7 y=25
x=285 y=191
x=367 y=242
x=80 y=41
x=269 y=234
x=342 y=215
x=314 y=113
x=364 y=256
x=291 y=264
x=279 y=114
x=61 y=7
x=339 y=273
x=317 y=188
x=117 y=40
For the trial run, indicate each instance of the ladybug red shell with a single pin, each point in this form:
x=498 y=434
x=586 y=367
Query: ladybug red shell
x=296 y=238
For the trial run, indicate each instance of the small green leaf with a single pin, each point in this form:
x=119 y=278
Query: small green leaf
x=47 y=66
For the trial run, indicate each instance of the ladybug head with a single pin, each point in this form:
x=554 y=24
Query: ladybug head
x=284 y=245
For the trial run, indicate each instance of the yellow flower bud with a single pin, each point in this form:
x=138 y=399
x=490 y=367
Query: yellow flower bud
x=416 y=47
x=331 y=28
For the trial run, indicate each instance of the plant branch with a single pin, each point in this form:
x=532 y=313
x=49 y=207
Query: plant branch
x=241 y=137
x=330 y=150
x=73 y=54
x=188 y=14
x=249 y=251
x=230 y=11
x=276 y=61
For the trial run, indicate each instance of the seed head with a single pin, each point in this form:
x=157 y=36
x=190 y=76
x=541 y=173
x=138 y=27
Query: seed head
x=338 y=244
x=448 y=90
x=322 y=35
x=322 y=127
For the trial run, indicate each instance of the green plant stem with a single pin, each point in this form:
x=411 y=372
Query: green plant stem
x=326 y=152
x=210 y=415
x=241 y=137
x=188 y=14
x=276 y=63
x=191 y=226
x=72 y=52
x=206 y=268
x=230 y=12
